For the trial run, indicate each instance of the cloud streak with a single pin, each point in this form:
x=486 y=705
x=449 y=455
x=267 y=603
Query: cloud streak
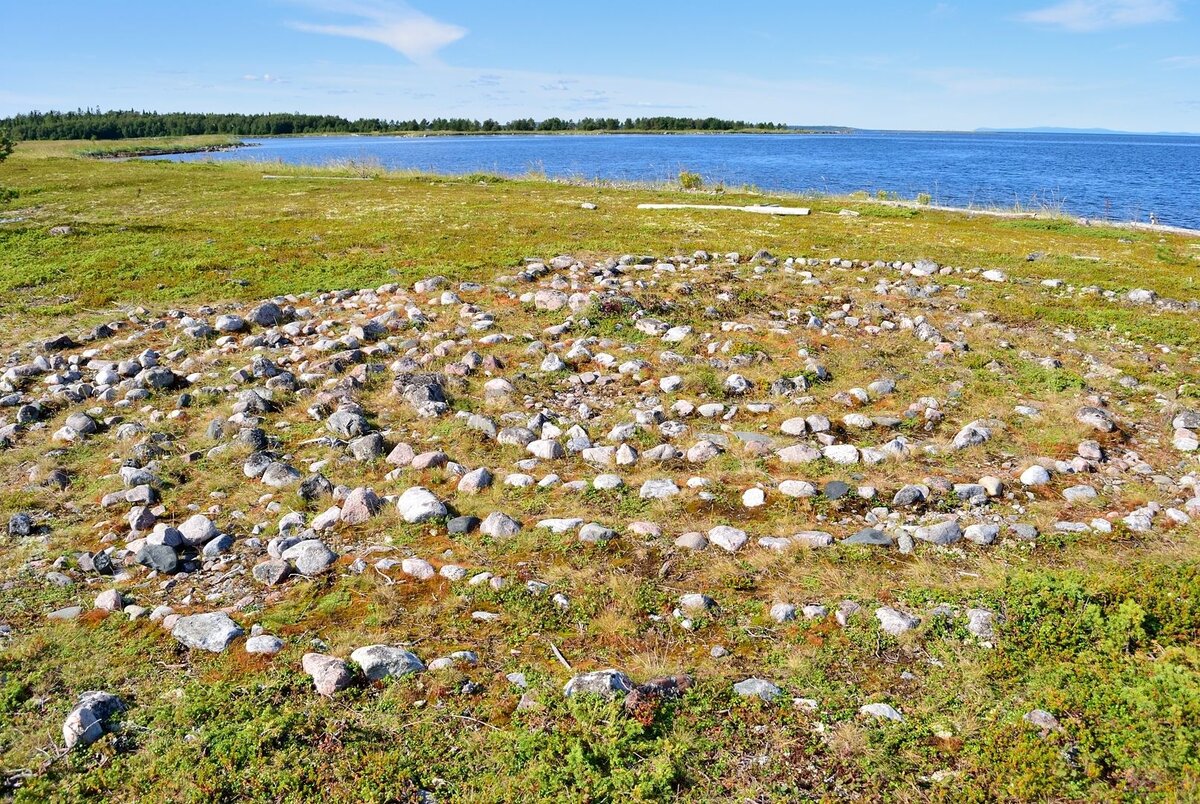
x=1088 y=16
x=415 y=35
x=1180 y=62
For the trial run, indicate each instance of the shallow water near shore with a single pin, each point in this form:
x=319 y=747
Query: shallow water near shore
x=1113 y=177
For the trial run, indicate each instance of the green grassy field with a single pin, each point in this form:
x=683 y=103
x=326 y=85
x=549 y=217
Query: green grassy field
x=155 y=232
x=1103 y=631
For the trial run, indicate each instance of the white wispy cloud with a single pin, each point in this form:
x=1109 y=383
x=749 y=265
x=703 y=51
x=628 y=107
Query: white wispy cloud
x=395 y=24
x=266 y=78
x=1085 y=16
x=1180 y=62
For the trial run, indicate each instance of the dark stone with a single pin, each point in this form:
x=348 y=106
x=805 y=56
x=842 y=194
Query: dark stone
x=420 y=388
x=367 y=448
x=643 y=701
x=462 y=524
x=870 y=536
x=20 y=524
x=82 y=423
x=782 y=387
x=158 y=557
x=267 y=314
x=836 y=489
x=314 y=487
x=272 y=572
x=214 y=548
x=254 y=438
x=58 y=479
x=257 y=464
x=59 y=343
x=102 y=563
x=28 y=414
x=142 y=454
x=909 y=495
x=1023 y=531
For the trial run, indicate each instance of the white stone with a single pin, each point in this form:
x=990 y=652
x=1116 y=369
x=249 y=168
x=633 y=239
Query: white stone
x=727 y=538
x=1035 y=476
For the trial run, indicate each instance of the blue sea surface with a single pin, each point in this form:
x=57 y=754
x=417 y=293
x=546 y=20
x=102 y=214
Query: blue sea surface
x=1100 y=176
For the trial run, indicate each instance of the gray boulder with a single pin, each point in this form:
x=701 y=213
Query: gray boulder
x=757 y=688
x=229 y=323
x=593 y=533
x=1096 y=418
x=882 y=711
x=20 y=524
x=475 y=481
x=91 y=718
x=212 y=632
x=158 y=557
x=267 y=314
x=872 y=537
x=272 y=572
x=729 y=539
x=82 y=424
x=347 y=424
x=280 y=475
x=418 y=504
x=605 y=683
x=658 y=489
x=264 y=645
x=972 y=435
x=942 y=533
x=310 y=557
x=198 y=530
x=384 y=661
x=895 y=622
x=499 y=525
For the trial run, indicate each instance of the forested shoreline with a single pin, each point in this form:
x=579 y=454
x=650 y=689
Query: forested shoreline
x=86 y=124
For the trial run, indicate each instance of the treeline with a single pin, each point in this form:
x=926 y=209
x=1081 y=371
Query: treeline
x=93 y=124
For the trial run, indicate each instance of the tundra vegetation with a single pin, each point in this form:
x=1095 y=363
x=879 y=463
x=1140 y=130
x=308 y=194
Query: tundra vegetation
x=410 y=488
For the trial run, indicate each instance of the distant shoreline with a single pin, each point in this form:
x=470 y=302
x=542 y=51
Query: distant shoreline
x=145 y=151
x=140 y=151
x=573 y=133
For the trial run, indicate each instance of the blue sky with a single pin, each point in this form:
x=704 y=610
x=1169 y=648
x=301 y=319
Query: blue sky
x=1124 y=64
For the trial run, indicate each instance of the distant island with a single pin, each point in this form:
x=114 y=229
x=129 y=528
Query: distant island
x=1058 y=130
x=94 y=124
